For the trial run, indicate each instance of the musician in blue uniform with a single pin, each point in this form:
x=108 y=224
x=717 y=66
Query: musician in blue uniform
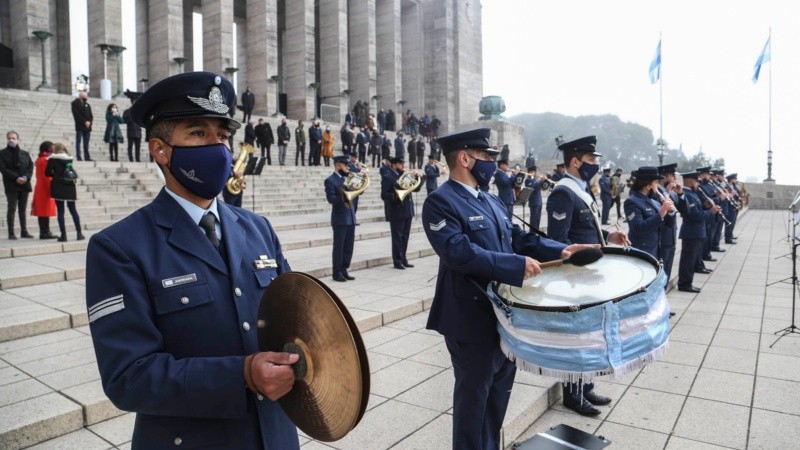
x=535 y=200
x=431 y=174
x=704 y=175
x=173 y=290
x=354 y=165
x=399 y=214
x=718 y=175
x=505 y=186
x=343 y=219
x=668 y=188
x=476 y=241
x=605 y=194
x=646 y=215
x=573 y=218
x=559 y=172
x=734 y=190
x=693 y=231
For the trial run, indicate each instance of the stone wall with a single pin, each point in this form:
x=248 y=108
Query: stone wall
x=771 y=196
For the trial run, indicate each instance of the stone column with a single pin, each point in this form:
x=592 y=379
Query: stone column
x=413 y=75
x=333 y=58
x=61 y=73
x=261 y=53
x=439 y=63
x=142 y=41
x=104 y=20
x=165 y=39
x=27 y=17
x=298 y=59
x=188 y=35
x=469 y=67
x=242 y=81
x=389 y=66
x=217 y=35
x=362 y=52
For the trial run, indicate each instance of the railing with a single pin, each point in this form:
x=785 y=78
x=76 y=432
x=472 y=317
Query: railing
x=330 y=113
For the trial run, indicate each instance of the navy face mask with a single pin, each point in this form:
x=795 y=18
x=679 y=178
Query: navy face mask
x=588 y=171
x=203 y=169
x=483 y=171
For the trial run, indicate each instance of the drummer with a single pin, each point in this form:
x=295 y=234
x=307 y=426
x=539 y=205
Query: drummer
x=173 y=311
x=475 y=239
x=645 y=215
x=573 y=217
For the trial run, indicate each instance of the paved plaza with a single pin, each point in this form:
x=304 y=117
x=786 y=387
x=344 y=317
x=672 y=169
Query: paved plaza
x=720 y=385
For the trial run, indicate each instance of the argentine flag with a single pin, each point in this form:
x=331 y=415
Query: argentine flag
x=763 y=58
x=655 y=65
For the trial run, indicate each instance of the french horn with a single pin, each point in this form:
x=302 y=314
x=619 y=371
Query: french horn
x=354 y=185
x=406 y=184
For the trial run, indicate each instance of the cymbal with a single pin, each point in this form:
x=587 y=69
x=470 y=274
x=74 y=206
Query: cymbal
x=300 y=314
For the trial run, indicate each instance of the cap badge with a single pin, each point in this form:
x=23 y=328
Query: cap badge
x=214 y=102
x=217 y=80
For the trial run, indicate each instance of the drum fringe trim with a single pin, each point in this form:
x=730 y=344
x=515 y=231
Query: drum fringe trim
x=566 y=376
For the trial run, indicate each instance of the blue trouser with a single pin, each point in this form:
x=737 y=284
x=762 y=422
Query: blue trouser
x=400 y=233
x=536 y=215
x=606 y=207
x=232 y=199
x=718 y=232
x=711 y=225
x=667 y=255
x=82 y=135
x=343 y=240
x=691 y=251
x=483 y=381
x=729 y=228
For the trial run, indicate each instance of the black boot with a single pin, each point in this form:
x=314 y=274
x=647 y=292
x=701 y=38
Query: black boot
x=62 y=238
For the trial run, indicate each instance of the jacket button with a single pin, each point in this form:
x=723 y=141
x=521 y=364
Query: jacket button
x=246 y=326
x=260 y=397
x=178 y=441
x=184 y=300
x=238 y=292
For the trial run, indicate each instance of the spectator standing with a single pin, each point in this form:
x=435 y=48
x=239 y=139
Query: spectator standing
x=82 y=115
x=413 y=124
x=17 y=169
x=328 y=139
x=113 y=134
x=347 y=138
x=381 y=121
x=362 y=139
x=248 y=103
x=62 y=188
x=284 y=136
x=435 y=124
x=420 y=152
x=134 y=133
x=412 y=151
x=315 y=138
x=375 y=144
x=43 y=207
x=250 y=134
x=265 y=138
x=405 y=121
x=391 y=121
x=300 y=141
x=399 y=146
x=386 y=147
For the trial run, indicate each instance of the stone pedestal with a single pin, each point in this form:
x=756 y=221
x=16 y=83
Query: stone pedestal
x=504 y=133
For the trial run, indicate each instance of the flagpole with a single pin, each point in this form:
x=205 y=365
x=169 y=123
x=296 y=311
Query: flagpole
x=769 y=139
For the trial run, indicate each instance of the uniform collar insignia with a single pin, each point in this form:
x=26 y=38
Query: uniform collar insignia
x=214 y=102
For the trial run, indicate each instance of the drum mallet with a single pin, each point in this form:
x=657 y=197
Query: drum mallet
x=579 y=258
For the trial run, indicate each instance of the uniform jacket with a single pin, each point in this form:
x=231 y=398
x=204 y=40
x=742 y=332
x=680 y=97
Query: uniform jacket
x=315 y=135
x=394 y=209
x=431 y=176
x=340 y=214
x=569 y=220
x=556 y=176
x=399 y=147
x=605 y=188
x=536 y=196
x=475 y=240
x=113 y=132
x=59 y=188
x=691 y=209
x=42 y=204
x=15 y=163
x=670 y=227
x=81 y=113
x=505 y=187
x=361 y=140
x=347 y=138
x=174 y=349
x=299 y=136
x=644 y=222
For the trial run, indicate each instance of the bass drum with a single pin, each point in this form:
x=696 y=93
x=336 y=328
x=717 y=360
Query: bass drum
x=606 y=318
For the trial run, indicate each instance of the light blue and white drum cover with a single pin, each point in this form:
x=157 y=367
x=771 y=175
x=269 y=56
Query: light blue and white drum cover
x=606 y=318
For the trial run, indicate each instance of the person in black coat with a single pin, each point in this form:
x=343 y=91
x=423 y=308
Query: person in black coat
x=134 y=134
x=391 y=121
x=62 y=188
x=386 y=147
x=265 y=138
x=248 y=103
x=82 y=114
x=250 y=134
x=17 y=168
x=315 y=142
x=399 y=146
x=375 y=148
x=113 y=134
x=420 y=152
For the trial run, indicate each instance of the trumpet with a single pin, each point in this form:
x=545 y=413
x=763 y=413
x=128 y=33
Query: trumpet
x=664 y=198
x=442 y=166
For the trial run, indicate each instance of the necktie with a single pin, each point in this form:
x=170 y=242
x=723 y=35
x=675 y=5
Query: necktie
x=207 y=224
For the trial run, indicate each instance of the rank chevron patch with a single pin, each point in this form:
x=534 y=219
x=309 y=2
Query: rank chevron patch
x=437 y=226
x=559 y=216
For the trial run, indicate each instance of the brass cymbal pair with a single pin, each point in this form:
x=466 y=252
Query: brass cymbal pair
x=300 y=314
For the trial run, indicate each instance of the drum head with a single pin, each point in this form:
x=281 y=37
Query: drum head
x=615 y=276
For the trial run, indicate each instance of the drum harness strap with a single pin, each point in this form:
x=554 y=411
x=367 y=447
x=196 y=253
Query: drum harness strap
x=572 y=185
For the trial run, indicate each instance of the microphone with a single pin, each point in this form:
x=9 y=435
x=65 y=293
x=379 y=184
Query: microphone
x=579 y=258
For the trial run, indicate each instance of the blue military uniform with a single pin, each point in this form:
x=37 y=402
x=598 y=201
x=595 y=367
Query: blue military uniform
x=729 y=237
x=343 y=222
x=605 y=194
x=535 y=199
x=643 y=214
x=173 y=312
x=669 y=230
x=692 y=235
x=398 y=214
x=431 y=175
x=505 y=189
x=475 y=240
x=711 y=219
x=353 y=167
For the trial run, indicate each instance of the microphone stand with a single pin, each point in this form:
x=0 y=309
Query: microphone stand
x=792 y=328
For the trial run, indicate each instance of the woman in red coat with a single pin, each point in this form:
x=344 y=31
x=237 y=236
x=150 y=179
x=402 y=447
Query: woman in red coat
x=43 y=205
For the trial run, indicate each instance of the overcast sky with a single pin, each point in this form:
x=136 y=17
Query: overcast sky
x=587 y=57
